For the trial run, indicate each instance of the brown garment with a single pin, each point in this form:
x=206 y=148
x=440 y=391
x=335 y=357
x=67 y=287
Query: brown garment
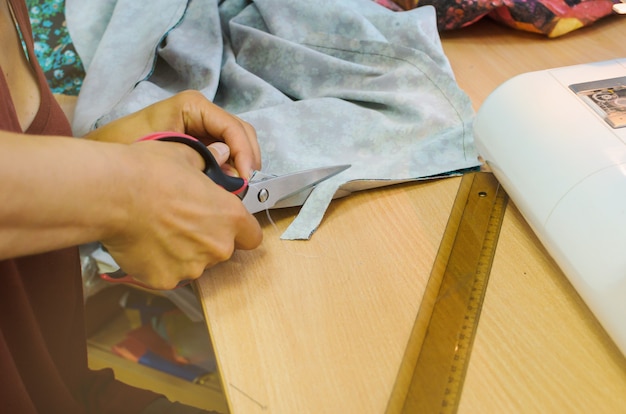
x=43 y=356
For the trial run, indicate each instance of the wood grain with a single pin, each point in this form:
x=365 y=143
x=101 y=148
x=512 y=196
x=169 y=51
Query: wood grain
x=320 y=326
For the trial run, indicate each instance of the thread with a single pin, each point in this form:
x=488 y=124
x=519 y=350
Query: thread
x=272 y=222
x=267 y=162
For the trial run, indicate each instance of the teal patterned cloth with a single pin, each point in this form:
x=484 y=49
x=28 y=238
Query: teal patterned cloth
x=324 y=83
x=53 y=46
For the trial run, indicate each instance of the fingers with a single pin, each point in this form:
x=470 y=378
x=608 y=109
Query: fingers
x=255 y=163
x=163 y=266
x=192 y=113
x=241 y=139
x=250 y=235
x=203 y=119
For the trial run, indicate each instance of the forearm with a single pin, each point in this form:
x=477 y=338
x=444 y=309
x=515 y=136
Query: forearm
x=59 y=192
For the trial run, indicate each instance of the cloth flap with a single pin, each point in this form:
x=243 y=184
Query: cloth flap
x=323 y=83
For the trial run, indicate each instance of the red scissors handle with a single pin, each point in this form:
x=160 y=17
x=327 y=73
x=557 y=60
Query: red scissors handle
x=212 y=169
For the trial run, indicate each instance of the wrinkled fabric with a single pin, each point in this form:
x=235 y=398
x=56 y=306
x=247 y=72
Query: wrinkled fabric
x=323 y=83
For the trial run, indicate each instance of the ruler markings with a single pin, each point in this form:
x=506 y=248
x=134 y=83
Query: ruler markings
x=433 y=369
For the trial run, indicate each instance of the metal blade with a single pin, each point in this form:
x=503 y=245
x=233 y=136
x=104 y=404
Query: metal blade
x=264 y=194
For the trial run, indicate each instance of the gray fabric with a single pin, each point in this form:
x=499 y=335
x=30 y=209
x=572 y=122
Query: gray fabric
x=323 y=82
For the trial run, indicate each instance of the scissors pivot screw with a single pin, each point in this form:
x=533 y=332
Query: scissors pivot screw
x=263 y=195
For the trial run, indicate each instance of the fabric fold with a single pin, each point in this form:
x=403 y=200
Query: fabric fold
x=323 y=83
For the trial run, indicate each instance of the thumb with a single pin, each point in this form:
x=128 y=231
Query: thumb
x=220 y=151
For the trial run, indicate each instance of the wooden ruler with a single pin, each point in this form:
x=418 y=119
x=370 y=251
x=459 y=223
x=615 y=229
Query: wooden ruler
x=430 y=379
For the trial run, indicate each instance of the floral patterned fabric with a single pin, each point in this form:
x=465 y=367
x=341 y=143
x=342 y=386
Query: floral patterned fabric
x=549 y=17
x=53 y=46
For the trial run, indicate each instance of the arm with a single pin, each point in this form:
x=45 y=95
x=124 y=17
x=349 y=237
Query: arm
x=149 y=203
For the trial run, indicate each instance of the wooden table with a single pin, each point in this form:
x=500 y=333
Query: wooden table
x=320 y=326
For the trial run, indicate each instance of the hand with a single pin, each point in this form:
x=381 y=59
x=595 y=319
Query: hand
x=179 y=222
x=191 y=113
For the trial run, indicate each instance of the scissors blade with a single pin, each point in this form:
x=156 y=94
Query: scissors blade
x=264 y=194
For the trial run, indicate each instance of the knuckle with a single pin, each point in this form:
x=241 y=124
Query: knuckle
x=190 y=94
x=225 y=252
x=195 y=271
x=191 y=97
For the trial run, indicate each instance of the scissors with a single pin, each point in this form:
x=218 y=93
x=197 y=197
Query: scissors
x=260 y=193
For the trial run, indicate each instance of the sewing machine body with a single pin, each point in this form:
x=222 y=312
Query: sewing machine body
x=552 y=142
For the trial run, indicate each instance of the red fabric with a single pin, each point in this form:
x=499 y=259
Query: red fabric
x=43 y=355
x=549 y=17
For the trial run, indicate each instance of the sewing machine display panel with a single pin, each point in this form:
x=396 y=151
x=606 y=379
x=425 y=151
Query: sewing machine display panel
x=607 y=97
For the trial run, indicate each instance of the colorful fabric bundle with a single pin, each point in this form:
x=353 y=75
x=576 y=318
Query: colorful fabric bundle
x=549 y=17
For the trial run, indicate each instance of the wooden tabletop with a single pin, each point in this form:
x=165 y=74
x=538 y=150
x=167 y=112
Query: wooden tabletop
x=320 y=326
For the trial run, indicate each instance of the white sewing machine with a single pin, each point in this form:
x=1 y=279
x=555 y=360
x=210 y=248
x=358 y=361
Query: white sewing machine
x=556 y=140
